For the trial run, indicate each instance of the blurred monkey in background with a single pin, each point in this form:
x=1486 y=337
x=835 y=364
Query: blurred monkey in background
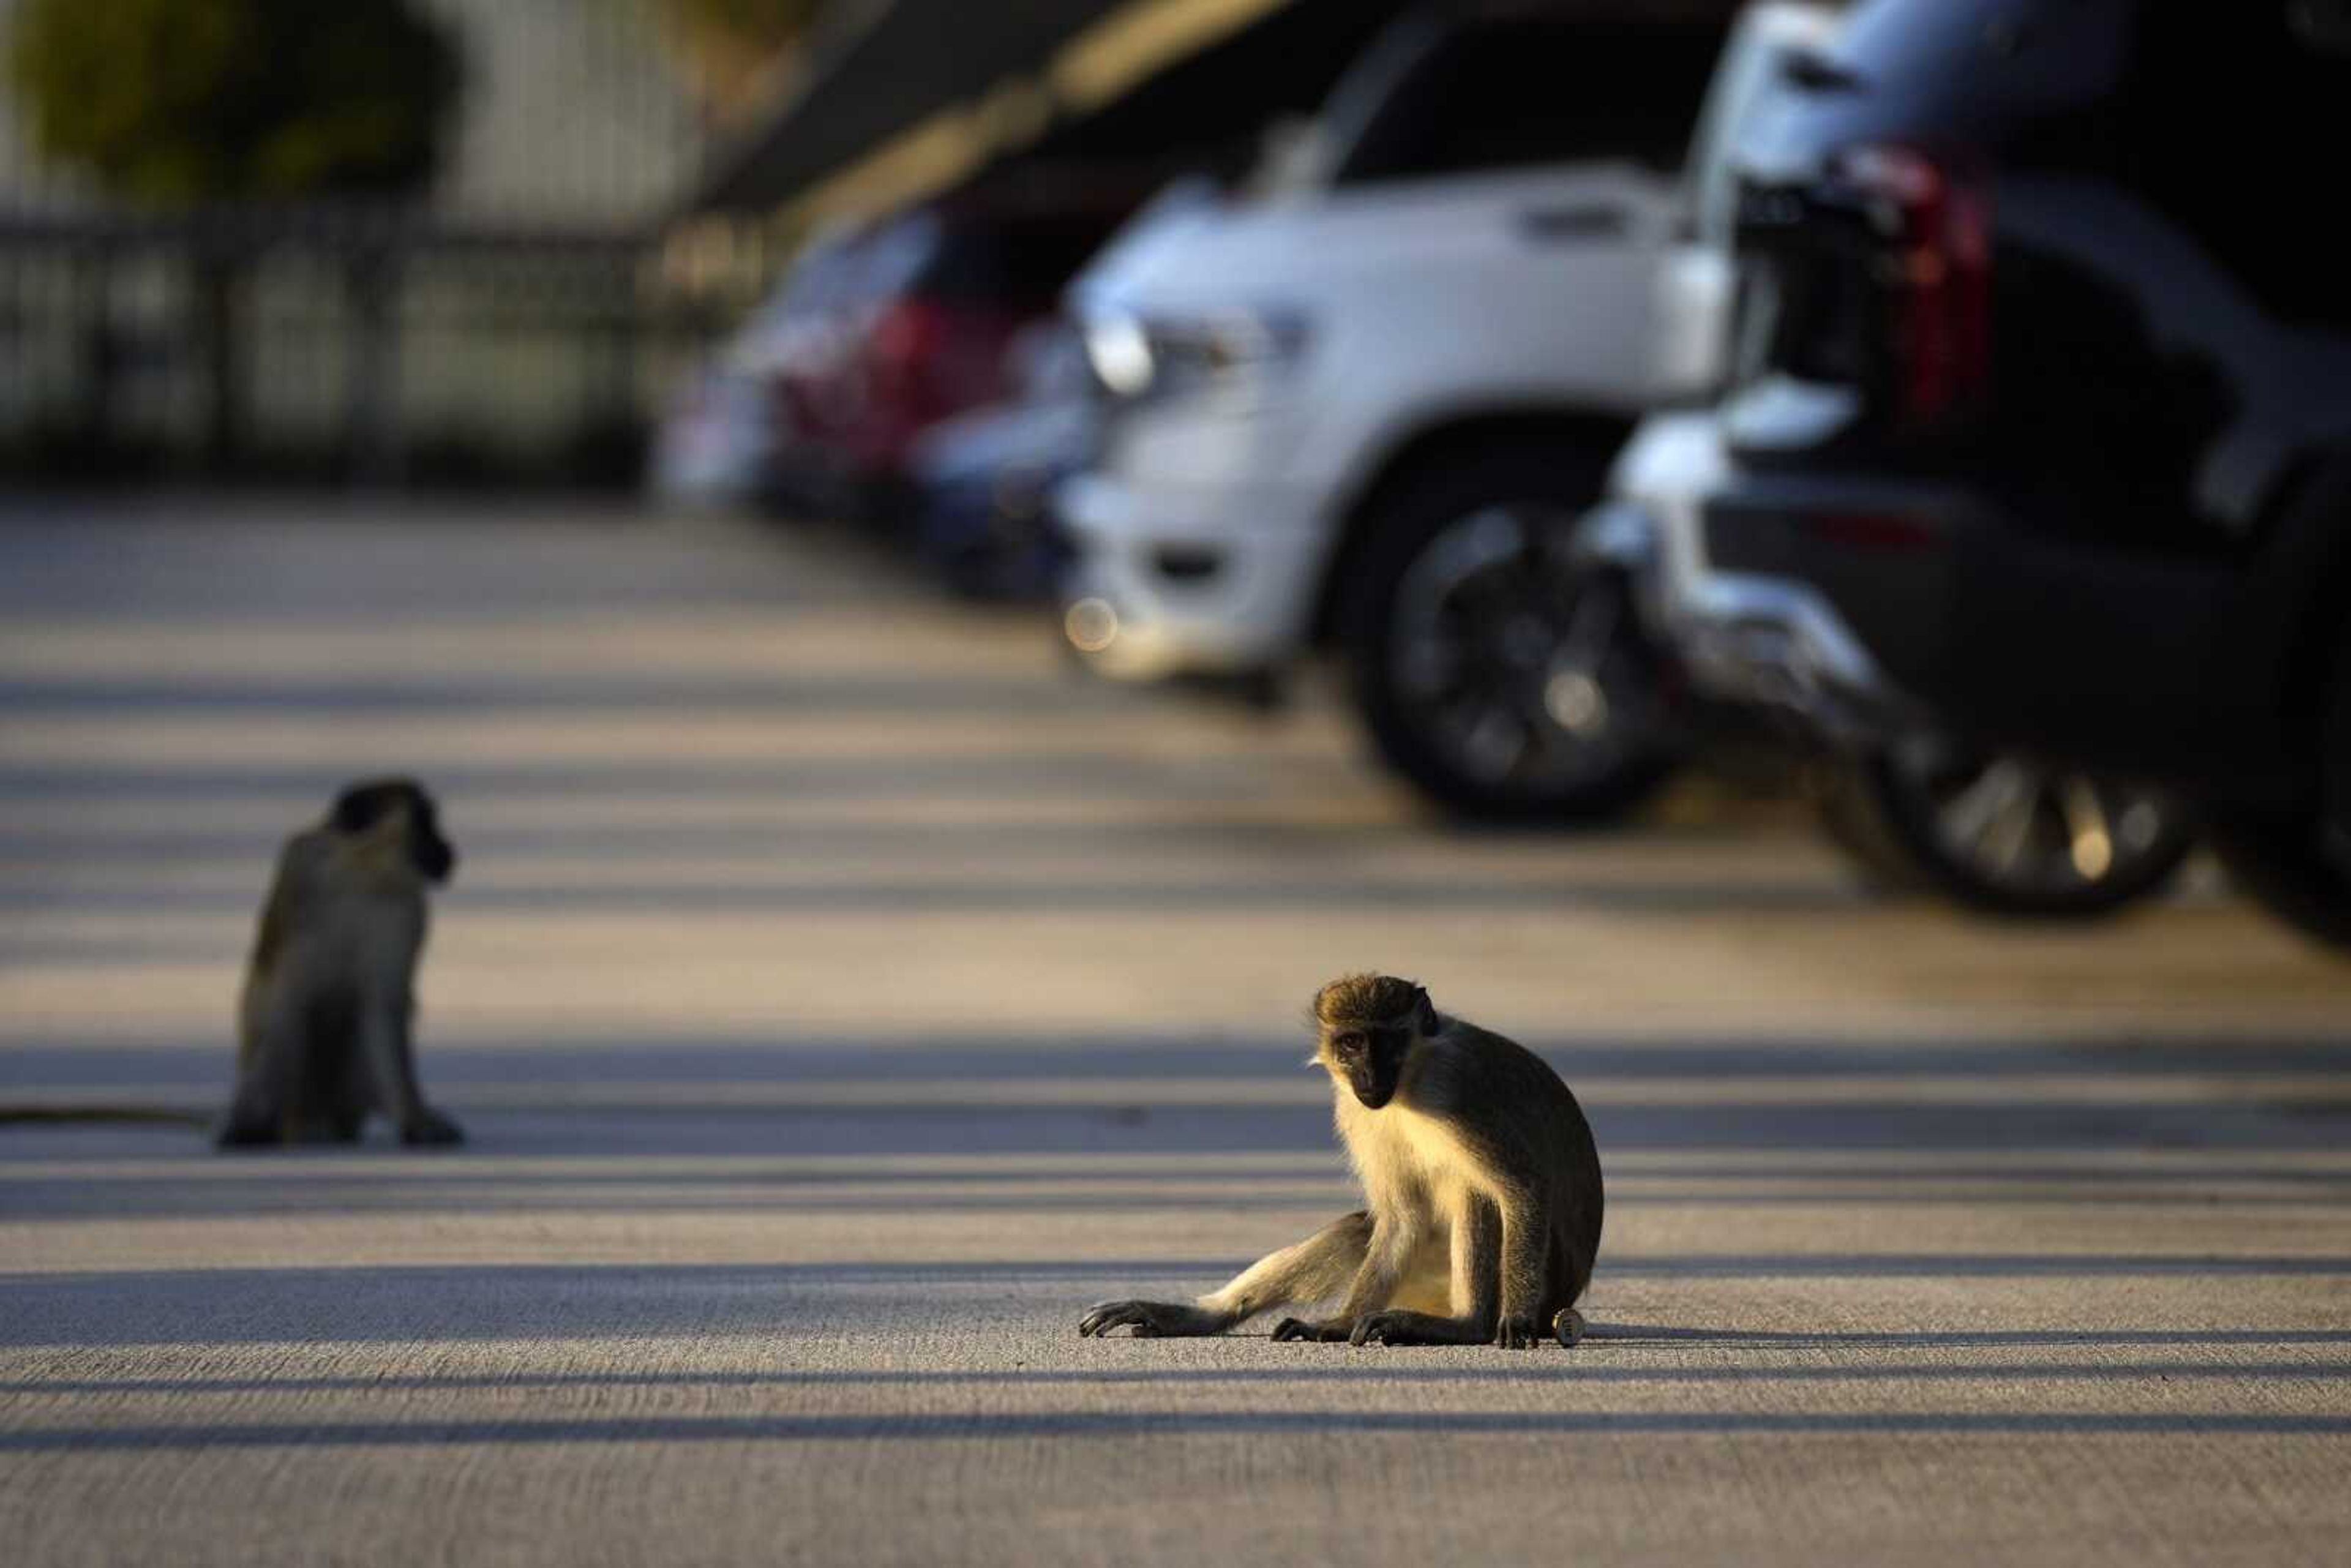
x=325 y=1021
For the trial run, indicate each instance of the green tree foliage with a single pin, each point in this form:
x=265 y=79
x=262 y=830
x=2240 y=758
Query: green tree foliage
x=171 y=102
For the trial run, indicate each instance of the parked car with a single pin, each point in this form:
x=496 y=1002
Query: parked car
x=1363 y=405
x=913 y=331
x=715 y=440
x=2039 y=436
x=712 y=443
x=985 y=480
x=1999 y=830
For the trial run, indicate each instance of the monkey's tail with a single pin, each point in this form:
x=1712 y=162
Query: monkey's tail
x=82 y=1115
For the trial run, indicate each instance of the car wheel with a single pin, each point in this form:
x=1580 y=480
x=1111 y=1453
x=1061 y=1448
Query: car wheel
x=2001 y=833
x=1502 y=676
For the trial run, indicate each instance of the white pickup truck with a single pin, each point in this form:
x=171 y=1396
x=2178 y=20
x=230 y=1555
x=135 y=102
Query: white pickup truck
x=1365 y=404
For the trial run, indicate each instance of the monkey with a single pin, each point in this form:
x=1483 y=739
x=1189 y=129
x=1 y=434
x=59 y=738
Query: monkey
x=1481 y=1184
x=325 y=1019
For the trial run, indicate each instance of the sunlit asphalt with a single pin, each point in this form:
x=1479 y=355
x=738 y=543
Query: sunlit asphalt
x=840 y=995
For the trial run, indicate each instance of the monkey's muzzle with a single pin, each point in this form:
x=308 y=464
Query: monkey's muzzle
x=437 y=861
x=1373 y=1075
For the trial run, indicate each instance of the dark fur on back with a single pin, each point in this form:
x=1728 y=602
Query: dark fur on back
x=1532 y=1124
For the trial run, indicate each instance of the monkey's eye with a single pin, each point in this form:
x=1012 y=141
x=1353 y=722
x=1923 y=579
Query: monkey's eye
x=1349 y=1042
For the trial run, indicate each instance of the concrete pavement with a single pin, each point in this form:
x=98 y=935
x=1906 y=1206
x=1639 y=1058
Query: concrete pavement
x=838 y=999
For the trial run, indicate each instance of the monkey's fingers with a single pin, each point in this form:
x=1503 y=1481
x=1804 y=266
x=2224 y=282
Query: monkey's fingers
x=1106 y=1316
x=1310 y=1333
x=1516 y=1330
x=1103 y=1316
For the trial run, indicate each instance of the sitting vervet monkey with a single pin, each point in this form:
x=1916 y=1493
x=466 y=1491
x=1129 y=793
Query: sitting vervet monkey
x=1482 y=1183
x=329 y=998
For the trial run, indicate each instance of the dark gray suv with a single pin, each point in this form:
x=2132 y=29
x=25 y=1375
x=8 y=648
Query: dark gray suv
x=2041 y=403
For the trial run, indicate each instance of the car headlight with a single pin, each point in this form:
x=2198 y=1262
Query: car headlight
x=1135 y=356
x=1118 y=348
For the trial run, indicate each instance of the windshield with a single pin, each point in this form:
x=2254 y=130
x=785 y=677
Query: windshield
x=1530 y=92
x=2045 y=50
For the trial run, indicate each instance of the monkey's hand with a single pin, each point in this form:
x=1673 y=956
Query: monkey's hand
x=430 y=1128
x=1516 y=1330
x=244 y=1132
x=1398 y=1326
x=1329 y=1331
x=1149 y=1320
x=1393 y=1327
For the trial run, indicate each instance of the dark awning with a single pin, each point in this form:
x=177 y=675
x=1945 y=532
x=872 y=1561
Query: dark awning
x=1182 y=74
x=914 y=59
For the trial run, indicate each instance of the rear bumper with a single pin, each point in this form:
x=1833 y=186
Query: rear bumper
x=1762 y=640
x=1869 y=607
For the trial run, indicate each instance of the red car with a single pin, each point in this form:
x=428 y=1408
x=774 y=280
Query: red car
x=911 y=328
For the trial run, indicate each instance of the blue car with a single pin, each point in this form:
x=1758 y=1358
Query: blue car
x=984 y=481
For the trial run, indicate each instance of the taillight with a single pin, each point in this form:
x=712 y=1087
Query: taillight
x=1882 y=533
x=1934 y=222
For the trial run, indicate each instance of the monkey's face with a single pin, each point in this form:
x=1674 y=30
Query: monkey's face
x=400 y=827
x=1369 y=1025
x=434 y=857
x=1368 y=1059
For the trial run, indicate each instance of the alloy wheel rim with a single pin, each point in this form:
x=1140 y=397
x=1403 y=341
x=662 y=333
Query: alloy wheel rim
x=2035 y=829
x=1525 y=668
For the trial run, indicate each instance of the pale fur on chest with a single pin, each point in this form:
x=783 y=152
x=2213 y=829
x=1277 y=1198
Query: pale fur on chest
x=1406 y=1159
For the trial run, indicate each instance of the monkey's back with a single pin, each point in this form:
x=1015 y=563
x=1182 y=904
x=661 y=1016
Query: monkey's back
x=1539 y=1116
x=282 y=915
x=310 y=943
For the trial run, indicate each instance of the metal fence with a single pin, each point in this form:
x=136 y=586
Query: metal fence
x=329 y=342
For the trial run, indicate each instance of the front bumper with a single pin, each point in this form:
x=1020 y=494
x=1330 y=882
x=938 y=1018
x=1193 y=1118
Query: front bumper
x=1193 y=581
x=828 y=483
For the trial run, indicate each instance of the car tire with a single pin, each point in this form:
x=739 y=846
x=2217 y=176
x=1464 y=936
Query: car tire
x=1924 y=814
x=2297 y=863
x=1850 y=814
x=1468 y=631
x=2295 y=867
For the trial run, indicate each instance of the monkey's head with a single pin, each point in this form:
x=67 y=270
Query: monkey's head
x=398 y=818
x=1368 y=1026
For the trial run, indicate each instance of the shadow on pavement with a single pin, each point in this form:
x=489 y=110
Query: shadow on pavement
x=1148 y=1425
x=241 y=1306
x=1544 y=1367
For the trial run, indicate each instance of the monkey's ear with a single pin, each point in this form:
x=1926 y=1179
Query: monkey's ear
x=1424 y=1011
